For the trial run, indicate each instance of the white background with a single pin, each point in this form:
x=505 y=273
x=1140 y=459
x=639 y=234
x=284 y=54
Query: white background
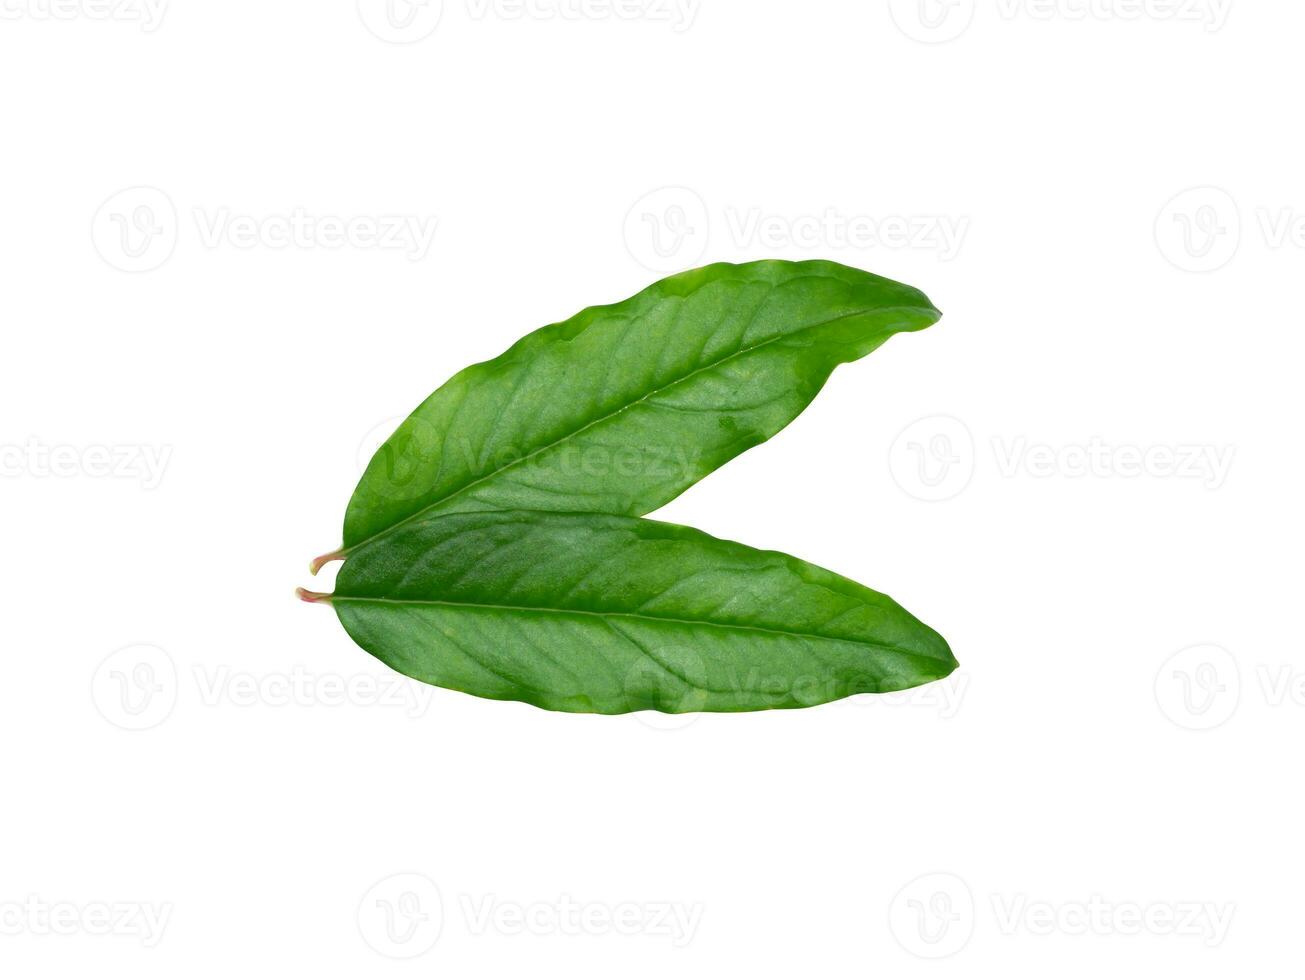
x=1087 y=476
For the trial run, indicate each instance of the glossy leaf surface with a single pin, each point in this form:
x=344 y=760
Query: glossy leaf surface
x=620 y=408
x=601 y=613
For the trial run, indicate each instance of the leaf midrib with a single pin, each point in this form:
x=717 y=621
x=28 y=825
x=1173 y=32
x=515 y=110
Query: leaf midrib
x=415 y=515
x=643 y=617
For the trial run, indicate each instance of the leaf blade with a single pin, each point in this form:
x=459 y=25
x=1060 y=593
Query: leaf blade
x=608 y=614
x=660 y=390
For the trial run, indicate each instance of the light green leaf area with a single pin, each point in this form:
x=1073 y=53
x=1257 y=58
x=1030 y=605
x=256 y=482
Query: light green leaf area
x=609 y=614
x=621 y=408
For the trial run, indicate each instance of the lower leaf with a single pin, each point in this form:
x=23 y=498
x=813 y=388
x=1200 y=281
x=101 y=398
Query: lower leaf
x=609 y=614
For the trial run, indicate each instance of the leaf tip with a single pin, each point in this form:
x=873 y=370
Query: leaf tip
x=308 y=596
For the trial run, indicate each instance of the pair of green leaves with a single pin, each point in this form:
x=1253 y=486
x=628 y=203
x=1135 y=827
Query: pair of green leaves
x=494 y=544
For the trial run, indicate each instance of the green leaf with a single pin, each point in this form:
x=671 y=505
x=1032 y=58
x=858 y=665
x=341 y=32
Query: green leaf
x=608 y=614
x=621 y=408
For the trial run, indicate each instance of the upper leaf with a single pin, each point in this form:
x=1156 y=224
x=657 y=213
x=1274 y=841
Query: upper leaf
x=598 y=613
x=622 y=407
